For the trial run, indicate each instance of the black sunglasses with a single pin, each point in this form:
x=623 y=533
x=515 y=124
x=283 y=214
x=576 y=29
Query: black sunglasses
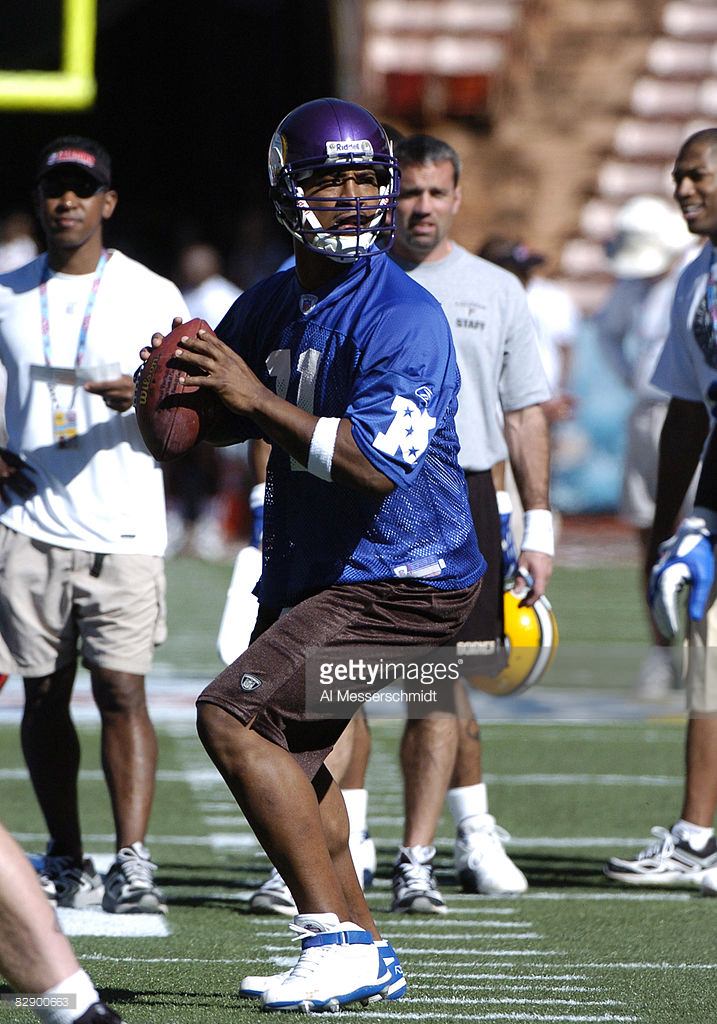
x=83 y=188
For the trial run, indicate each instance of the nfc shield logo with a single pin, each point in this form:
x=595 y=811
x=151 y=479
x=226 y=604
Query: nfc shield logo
x=250 y=682
x=409 y=432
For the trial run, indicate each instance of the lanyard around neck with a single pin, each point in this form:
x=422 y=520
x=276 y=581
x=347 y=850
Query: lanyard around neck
x=85 y=326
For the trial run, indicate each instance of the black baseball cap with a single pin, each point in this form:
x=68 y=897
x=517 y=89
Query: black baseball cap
x=510 y=253
x=76 y=151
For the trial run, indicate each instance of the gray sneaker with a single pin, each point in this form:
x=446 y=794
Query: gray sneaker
x=130 y=886
x=67 y=884
x=273 y=897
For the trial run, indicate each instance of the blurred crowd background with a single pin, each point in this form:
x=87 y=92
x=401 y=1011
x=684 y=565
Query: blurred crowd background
x=567 y=115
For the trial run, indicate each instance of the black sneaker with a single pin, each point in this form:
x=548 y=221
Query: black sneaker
x=414 y=886
x=100 y=1013
x=669 y=861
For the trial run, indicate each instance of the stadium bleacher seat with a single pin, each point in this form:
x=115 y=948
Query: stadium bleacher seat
x=658 y=97
x=676 y=58
x=690 y=20
x=437 y=55
x=647 y=140
x=620 y=180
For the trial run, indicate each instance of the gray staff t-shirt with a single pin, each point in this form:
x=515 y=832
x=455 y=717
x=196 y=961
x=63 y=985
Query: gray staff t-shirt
x=496 y=348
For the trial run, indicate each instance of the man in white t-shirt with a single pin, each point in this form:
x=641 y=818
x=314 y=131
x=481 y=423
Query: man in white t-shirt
x=686 y=853
x=650 y=248
x=82 y=520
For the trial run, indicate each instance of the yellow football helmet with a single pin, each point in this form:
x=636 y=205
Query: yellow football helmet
x=531 y=640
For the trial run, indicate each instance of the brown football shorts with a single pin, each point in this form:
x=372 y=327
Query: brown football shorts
x=266 y=686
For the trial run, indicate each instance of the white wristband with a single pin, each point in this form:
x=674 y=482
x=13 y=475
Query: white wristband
x=538 y=531
x=709 y=516
x=321 y=449
x=256 y=496
x=505 y=505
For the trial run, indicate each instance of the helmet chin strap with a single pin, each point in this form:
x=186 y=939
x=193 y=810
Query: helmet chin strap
x=344 y=248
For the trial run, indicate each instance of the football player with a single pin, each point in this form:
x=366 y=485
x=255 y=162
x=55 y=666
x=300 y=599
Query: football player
x=500 y=367
x=347 y=367
x=686 y=853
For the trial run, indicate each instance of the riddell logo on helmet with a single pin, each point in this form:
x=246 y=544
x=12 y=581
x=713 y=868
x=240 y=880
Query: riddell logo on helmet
x=361 y=148
x=71 y=156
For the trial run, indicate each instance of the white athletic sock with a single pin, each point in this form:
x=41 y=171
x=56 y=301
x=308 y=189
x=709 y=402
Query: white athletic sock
x=468 y=802
x=79 y=986
x=356 y=801
x=697 y=836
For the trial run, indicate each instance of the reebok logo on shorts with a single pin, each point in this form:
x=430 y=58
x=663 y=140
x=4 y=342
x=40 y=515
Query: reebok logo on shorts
x=250 y=682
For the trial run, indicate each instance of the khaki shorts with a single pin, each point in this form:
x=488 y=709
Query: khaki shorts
x=701 y=663
x=52 y=607
x=639 y=483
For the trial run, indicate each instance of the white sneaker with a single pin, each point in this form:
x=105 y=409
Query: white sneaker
x=482 y=865
x=255 y=985
x=669 y=861
x=129 y=884
x=414 y=886
x=273 y=897
x=363 y=853
x=339 y=964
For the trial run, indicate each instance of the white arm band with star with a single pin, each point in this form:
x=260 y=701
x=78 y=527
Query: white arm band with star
x=538 y=531
x=321 y=449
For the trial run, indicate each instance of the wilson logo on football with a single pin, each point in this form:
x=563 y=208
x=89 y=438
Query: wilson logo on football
x=250 y=682
x=146 y=382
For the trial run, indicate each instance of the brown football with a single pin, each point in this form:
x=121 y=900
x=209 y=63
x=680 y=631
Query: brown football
x=172 y=417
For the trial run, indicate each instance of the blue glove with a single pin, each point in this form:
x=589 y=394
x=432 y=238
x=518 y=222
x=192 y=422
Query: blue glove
x=256 y=505
x=509 y=552
x=687 y=559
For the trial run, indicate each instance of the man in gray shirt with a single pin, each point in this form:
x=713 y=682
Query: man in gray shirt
x=499 y=415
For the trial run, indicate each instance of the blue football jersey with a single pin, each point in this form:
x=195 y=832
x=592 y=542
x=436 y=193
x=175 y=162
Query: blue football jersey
x=374 y=347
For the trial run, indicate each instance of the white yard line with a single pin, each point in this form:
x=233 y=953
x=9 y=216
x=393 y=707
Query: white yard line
x=123 y=926
x=445 y=922
x=409 y=951
x=617 y=895
x=450 y=937
x=398 y=1013
x=204 y=775
x=513 y=1001
x=529 y=978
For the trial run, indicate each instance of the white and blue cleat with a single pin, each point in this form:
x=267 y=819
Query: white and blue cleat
x=339 y=964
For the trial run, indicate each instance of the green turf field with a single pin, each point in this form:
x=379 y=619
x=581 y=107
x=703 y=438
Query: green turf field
x=576 y=948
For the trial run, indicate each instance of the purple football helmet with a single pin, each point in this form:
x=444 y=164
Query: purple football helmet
x=333 y=133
